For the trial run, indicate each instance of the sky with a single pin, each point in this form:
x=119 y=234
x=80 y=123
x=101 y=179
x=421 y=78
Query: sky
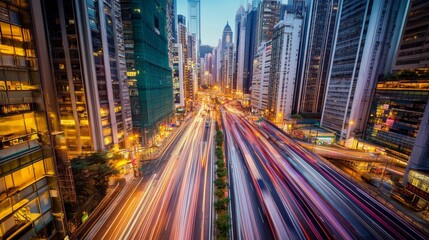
x=214 y=14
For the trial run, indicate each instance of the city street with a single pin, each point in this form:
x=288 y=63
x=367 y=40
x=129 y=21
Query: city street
x=302 y=195
x=175 y=197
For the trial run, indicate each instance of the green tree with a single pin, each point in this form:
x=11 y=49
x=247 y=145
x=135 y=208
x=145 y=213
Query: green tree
x=296 y=116
x=90 y=173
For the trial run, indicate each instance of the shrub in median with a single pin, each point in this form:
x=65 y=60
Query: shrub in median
x=222 y=204
x=223 y=225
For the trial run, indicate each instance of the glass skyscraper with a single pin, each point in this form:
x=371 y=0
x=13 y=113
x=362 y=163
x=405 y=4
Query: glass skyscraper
x=30 y=203
x=194 y=22
x=150 y=78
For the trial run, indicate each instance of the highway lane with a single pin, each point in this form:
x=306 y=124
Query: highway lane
x=174 y=200
x=249 y=219
x=314 y=200
x=287 y=216
x=369 y=217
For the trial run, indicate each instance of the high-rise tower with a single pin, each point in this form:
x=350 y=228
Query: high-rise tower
x=194 y=22
x=30 y=201
x=146 y=47
x=323 y=16
x=365 y=34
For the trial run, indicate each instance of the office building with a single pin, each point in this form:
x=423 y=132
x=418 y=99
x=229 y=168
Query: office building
x=322 y=17
x=181 y=19
x=412 y=62
x=397 y=109
x=249 y=49
x=216 y=63
x=187 y=81
x=284 y=67
x=30 y=201
x=240 y=37
x=171 y=9
x=413 y=50
x=261 y=78
x=268 y=16
x=194 y=22
x=226 y=78
x=358 y=61
x=192 y=85
x=89 y=71
x=226 y=38
x=178 y=79
x=151 y=85
x=227 y=70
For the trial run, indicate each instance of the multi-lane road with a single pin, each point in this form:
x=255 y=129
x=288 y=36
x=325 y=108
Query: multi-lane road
x=174 y=199
x=301 y=196
x=278 y=190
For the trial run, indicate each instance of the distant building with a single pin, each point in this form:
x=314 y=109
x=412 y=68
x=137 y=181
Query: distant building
x=178 y=76
x=240 y=36
x=226 y=38
x=321 y=30
x=227 y=61
x=182 y=39
x=261 y=78
x=358 y=61
x=181 y=19
x=194 y=22
x=227 y=69
x=284 y=67
x=146 y=46
x=249 y=49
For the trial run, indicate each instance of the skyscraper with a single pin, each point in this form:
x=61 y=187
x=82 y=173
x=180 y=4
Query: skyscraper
x=240 y=37
x=412 y=115
x=249 y=49
x=321 y=28
x=261 y=78
x=90 y=76
x=30 y=200
x=227 y=60
x=358 y=61
x=178 y=76
x=194 y=22
x=268 y=16
x=182 y=39
x=284 y=67
x=146 y=45
x=226 y=37
x=227 y=69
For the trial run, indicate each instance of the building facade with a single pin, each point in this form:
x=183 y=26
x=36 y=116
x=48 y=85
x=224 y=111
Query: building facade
x=358 y=61
x=178 y=76
x=227 y=70
x=240 y=38
x=261 y=78
x=284 y=67
x=268 y=17
x=151 y=85
x=194 y=22
x=249 y=49
x=87 y=52
x=397 y=109
x=30 y=201
x=323 y=16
